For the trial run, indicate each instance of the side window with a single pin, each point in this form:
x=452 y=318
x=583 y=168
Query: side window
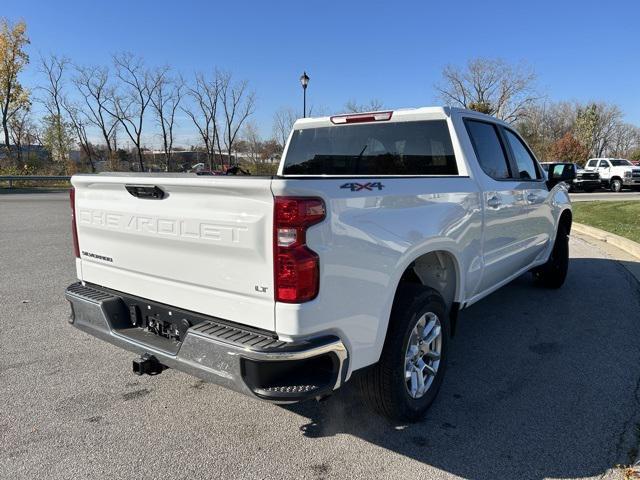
x=488 y=148
x=592 y=163
x=604 y=164
x=526 y=163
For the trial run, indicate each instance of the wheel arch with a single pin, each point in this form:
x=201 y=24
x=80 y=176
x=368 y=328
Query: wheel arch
x=566 y=219
x=423 y=267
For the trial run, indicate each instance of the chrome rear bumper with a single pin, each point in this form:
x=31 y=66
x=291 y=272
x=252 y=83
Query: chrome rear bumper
x=254 y=363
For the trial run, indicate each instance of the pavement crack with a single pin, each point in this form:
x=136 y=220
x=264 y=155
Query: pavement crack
x=631 y=423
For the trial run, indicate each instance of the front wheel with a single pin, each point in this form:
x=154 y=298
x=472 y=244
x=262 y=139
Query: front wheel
x=553 y=273
x=406 y=380
x=616 y=185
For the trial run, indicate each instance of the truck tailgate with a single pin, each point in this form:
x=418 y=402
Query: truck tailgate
x=206 y=246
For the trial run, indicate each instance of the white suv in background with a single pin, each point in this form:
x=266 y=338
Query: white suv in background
x=615 y=172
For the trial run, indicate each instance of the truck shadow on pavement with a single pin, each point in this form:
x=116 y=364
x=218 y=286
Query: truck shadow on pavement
x=541 y=383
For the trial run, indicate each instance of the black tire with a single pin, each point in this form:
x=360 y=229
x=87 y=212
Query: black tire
x=616 y=185
x=383 y=385
x=553 y=273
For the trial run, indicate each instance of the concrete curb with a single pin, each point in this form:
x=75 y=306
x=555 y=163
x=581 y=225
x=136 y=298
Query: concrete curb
x=622 y=243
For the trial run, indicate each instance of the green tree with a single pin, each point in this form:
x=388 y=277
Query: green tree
x=597 y=125
x=587 y=125
x=58 y=139
x=13 y=58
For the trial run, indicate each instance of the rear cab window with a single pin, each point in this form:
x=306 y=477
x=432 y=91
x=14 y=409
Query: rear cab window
x=419 y=147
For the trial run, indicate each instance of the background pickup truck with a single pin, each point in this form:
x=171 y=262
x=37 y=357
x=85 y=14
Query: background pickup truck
x=615 y=173
x=354 y=260
x=585 y=181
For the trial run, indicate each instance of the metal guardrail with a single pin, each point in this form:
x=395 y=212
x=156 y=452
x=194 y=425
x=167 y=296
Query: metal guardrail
x=34 y=178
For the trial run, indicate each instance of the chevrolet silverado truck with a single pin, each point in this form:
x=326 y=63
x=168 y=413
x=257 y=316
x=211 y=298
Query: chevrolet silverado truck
x=352 y=262
x=615 y=173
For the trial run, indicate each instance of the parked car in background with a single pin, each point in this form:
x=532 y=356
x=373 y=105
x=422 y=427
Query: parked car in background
x=615 y=173
x=203 y=169
x=357 y=256
x=584 y=181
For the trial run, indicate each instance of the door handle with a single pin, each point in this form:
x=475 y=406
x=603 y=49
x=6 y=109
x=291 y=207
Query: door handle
x=494 y=201
x=532 y=197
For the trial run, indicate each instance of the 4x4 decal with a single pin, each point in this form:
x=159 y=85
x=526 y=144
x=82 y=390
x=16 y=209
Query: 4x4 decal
x=356 y=187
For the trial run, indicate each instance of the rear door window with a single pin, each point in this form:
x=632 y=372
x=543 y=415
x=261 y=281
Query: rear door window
x=395 y=148
x=489 y=150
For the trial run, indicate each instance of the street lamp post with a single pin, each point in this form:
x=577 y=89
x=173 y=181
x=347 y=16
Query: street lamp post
x=304 y=81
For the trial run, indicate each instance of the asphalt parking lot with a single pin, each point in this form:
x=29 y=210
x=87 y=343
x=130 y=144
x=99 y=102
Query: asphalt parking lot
x=542 y=384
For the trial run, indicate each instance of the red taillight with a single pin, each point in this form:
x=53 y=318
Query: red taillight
x=74 y=228
x=296 y=267
x=362 y=117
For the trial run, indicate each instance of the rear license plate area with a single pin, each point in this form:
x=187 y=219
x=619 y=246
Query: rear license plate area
x=158 y=321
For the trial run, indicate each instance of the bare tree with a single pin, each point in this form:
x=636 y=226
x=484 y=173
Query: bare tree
x=490 y=86
x=93 y=85
x=372 y=105
x=626 y=140
x=205 y=94
x=79 y=124
x=544 y=124
x=128 y=106
x=54 y=68
x=253 y=142
x=237 y=105
x=283 y=121
x=59 y=136
x=165 y=102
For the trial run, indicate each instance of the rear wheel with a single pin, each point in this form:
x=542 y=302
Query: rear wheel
x=406 y=380
x=616 y=185
x=553 y=273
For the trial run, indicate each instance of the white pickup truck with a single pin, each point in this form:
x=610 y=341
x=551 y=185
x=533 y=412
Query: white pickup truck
x=615 y=173
x=355 y=258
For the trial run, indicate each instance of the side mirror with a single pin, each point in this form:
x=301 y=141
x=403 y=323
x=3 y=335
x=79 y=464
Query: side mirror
x=560 y=172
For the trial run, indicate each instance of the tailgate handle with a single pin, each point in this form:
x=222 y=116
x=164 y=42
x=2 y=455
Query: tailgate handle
x=152 y=192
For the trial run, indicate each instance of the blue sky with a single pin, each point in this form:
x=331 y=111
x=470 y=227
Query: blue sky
x=393 y=51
